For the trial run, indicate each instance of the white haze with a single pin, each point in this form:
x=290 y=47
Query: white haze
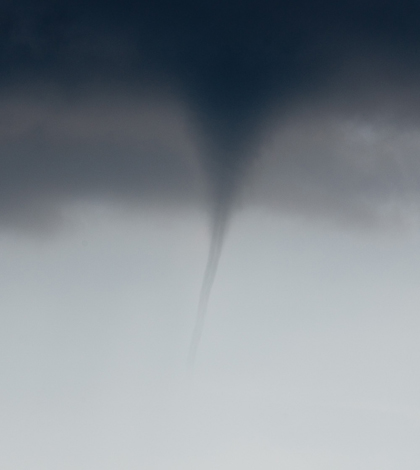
x=308 y=359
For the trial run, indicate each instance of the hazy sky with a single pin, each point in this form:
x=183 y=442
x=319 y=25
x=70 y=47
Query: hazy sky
x=131 y=134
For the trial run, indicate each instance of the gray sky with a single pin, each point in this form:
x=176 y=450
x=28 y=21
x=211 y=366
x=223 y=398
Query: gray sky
x=135 y=136
x=308 y=358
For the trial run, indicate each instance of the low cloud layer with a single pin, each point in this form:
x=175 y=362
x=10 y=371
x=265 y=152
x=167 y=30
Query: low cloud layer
x=101 y=148
x=352 y=165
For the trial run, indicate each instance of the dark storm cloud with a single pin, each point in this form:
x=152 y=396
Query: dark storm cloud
x=231 y=63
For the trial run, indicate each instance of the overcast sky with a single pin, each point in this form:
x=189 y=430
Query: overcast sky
x=134 y=137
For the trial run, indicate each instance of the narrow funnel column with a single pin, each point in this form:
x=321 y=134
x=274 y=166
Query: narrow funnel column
x=217 y=238
x=224 y=173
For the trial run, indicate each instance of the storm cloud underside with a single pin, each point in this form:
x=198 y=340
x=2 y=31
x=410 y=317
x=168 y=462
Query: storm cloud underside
x=232 y=66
